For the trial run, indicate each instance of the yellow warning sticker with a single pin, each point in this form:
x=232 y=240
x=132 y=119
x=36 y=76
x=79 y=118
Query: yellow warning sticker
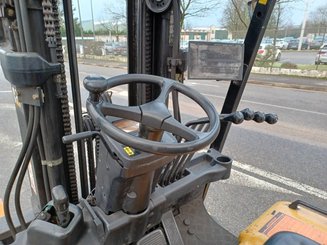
x=263 y=2
x=129 y=151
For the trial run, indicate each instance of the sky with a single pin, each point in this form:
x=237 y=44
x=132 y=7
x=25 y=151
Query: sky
x=296 y=11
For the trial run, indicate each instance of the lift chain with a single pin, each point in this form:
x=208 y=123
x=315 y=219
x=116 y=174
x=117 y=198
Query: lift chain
x=53 y=37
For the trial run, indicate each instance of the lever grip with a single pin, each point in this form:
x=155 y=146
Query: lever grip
x=248 y=114
x=259 y=117
x=271 y=118
x=79 y=136
x=235 y=117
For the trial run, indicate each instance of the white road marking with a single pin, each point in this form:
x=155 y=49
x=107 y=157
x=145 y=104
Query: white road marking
x=7 y=140
x=7 y=106
x=286 y=107
x=5 y=91
x=242 y=179
x=266 y=104
x=283 y=180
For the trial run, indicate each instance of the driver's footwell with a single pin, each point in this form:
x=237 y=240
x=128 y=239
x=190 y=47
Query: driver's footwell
x=198 y=227
x=192 y=226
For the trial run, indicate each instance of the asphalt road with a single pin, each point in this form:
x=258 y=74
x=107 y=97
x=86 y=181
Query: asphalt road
x=286 y=161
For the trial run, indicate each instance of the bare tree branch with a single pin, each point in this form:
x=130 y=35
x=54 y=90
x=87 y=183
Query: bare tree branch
x=196 y=8
x=239 y=14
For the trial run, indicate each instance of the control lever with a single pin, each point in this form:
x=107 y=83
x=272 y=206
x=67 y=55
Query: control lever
x=68 y=139
x=61 y=205
x=248 y=114
x=86 y=135
x=235 y=117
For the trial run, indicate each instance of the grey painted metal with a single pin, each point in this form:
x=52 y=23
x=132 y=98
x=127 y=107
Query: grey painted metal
x=20 y=26
x=90 y=225
x=154 y=114
x=26 y=25
x=27 y=69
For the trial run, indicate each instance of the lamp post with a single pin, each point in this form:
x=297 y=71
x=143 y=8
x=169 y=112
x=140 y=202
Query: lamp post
x=80 y=20
x=91 y=2
x=303 y=25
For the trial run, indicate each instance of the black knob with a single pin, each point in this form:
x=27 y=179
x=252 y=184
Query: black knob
x=235 y=117
x=95 y=84
x=259 y=117
x=271 y=118
x=248 y=114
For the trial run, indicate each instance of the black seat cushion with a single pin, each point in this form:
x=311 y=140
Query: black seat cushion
x=289 y=238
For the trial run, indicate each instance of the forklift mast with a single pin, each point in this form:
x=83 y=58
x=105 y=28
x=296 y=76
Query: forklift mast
x=152 y=189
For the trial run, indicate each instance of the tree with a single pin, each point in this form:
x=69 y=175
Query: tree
x=278 y=17
x=196 y=8
x=236 y=18
x=118 y=19
x=77 y=25
x=318 y=21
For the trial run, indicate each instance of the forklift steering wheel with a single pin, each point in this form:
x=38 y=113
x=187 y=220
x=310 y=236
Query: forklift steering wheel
x=154 y=114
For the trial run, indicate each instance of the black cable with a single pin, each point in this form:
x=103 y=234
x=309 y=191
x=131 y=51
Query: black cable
x=15 y=172
x=88 y=126
x=29 y=153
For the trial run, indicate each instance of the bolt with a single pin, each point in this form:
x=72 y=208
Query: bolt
x=190 y=231
x=187 y=222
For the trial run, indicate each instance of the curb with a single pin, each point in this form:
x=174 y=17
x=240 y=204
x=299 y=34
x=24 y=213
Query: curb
x=281 y=85
x=290 y=72
x=290 y=85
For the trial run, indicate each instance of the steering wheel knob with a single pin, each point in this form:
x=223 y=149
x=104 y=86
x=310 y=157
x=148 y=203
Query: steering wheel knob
x=95 y=84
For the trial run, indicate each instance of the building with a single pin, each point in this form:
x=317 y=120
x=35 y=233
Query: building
x=205 y=34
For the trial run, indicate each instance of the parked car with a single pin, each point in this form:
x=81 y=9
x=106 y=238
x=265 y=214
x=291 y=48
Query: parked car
x=267 y=40
x=293 y=44
x=109 y=47
x=116 y=48
x=266 y=49
x=317 y=42
x=184 y=46
x=120 y=49
x=281 y=43
x=321 y=57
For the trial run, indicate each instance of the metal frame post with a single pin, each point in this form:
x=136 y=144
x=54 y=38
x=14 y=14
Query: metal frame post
x=255 y=33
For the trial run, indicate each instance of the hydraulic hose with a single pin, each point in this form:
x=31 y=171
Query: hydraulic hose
x=88 y=126
x=16 y=170
x=44 y=167
x=29 y=153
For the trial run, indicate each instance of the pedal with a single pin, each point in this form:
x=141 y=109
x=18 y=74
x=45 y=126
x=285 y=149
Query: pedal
x=155 y=237
x=171 y=229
